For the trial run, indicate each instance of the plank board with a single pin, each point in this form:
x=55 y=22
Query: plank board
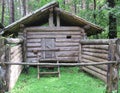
x=96 y=46
x=68 y=48
x=34 y=40
x=51 y=36
x=67 y=54
x=93 y=58
x=94 y=50
x=63 y=28
x=34 y=44
x=98 y=55
x=66 y=44
x=55 y=33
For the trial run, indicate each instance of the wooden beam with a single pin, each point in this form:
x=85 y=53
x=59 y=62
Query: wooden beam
x=118 y=47
x=14 y=40
x=58 y=19
x=63 y=28
x=97 y=41
x=51 y=19
x=59 y=64
x=112 y=74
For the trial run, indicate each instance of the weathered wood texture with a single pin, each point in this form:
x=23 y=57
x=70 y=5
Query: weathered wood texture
x=113 y=69
x=95 y=51
x=64 y=39
x=15 y=70
x=101 y=51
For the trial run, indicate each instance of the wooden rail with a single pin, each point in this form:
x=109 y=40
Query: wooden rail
x=61 y=64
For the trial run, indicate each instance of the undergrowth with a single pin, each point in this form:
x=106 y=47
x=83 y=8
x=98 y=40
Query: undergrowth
x=70 y=81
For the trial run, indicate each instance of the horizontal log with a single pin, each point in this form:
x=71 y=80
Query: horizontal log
x=72 y=58
x=67 y=54
x=12 y=49
x=60 y=64
x=69 y=48
x=17 y=57
x=33 y=44
x=99 y=55
x=16 y=53
x=30 y=54
x=14 y=40
x=74 y=48
x=96 y=46
x=33 y=40
x=100 y=71
x=53 y=33
x=66 y=44
x=68 y=40
x=53 y=28
x=15 y=50
x=97 y=41
x=52 y=49
x=103 y=67
x=102 y=77
x=93 y=58
x=51 y=36
x=94 y=50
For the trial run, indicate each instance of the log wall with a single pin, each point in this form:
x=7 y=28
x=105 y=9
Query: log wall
x=95 y=52
x=65 y=45
x=15 y=70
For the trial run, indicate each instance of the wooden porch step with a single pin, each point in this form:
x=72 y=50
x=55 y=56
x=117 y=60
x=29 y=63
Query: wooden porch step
x=43 y=73
x=48 y=66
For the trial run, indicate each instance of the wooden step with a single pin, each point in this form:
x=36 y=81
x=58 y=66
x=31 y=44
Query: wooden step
x=43 y=73
x=48 y=66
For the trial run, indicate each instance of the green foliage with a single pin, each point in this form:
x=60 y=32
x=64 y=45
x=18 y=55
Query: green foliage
x=101 y=12
x=71 y=81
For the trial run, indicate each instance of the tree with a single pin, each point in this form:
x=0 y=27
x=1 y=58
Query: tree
x=12 y=14
x=112 y=21
x=24 y=7
x=3 y=10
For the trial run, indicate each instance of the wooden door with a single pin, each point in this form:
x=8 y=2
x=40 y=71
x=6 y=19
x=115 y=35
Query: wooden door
x=47 y=45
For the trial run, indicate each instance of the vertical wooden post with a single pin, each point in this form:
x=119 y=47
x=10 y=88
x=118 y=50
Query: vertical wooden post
x=51 y=19
x=58 y=19
x=83 y=34
x=112 y=73
x=24 y=51
x=80 y=56
x=7 y=59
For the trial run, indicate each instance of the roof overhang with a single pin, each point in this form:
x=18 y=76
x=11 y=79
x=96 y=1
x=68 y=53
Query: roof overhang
x=40 y=17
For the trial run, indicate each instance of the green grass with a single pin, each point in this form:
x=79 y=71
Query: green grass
x=70 y=81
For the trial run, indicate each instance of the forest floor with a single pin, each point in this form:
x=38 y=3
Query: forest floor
x=70 y=81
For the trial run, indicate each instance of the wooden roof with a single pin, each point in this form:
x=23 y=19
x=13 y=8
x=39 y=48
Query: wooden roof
x=40 y=17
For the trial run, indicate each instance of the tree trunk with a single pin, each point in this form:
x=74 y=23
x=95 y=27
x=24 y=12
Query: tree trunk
x=3 y=10
x=75 y=7
x=24 y=7
x=12 y=15
x=83 y=5
x=112 y=21
x=94 y=16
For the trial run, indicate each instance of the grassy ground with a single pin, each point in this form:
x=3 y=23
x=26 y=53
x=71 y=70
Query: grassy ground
x=70 y=82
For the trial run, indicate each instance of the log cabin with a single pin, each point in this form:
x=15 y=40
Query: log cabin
x=53 y=32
